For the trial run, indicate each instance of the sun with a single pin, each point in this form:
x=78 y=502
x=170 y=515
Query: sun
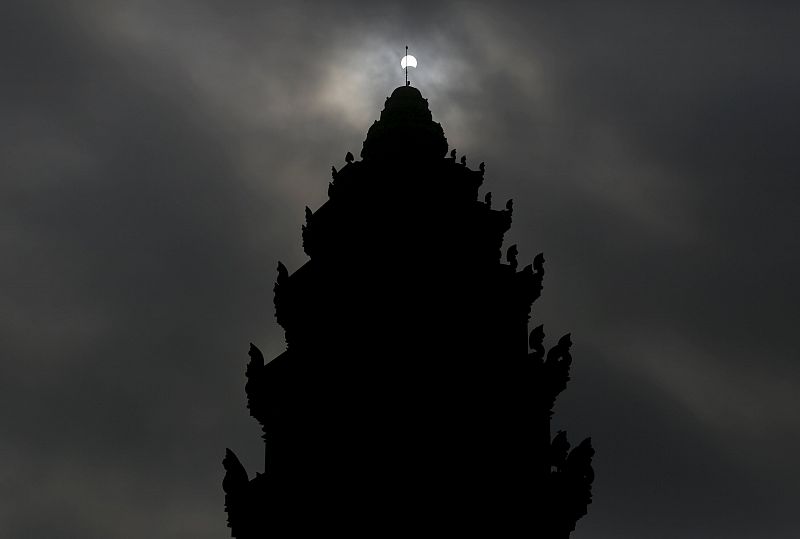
x=408 y=61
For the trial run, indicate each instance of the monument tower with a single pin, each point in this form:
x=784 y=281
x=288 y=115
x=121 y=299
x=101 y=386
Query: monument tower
x=411 y=397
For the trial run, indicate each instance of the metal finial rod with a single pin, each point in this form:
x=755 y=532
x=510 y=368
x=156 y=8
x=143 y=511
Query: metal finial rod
x=406 y=68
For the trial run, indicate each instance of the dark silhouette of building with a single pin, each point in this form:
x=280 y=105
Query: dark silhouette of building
x=411 y=397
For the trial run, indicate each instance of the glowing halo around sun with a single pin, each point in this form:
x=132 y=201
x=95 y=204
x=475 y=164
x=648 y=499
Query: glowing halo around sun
x=408 y=61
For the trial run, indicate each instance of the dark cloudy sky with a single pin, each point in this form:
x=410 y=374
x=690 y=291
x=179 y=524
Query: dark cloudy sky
x=155 y=159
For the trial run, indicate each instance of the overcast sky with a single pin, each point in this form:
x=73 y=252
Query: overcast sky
x=156 y=157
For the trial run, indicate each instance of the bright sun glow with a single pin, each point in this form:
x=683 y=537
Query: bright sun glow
x=408 y=61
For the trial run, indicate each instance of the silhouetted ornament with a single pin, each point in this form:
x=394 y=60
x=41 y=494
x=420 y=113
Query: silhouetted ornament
x=511 y=257
x=235 y=474
x=464 y=160
x=535 y=341
x=556 y=369
x=482 y=167
x=256 y=357
x=308 y=241
x=510 y=204
x=283 y=273
x=560 y=352
x=538 y=263
x=349 y=157
x=580 y=476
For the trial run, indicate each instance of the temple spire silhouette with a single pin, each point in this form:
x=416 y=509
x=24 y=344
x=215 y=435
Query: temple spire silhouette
x=411 y=396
